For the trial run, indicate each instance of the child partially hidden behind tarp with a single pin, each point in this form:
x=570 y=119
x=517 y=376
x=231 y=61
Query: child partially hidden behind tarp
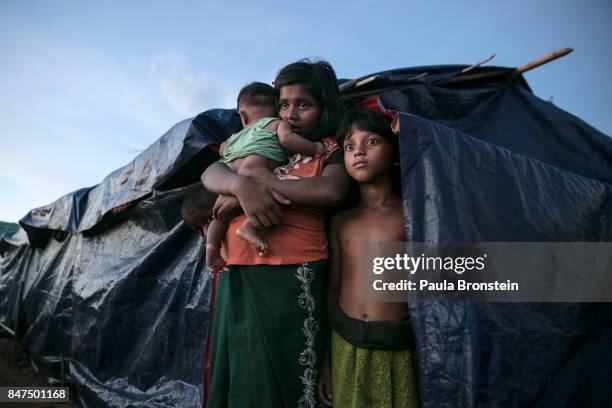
x=264 y=144
x=372 y=361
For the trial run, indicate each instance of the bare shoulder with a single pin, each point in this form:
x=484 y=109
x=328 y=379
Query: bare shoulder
x=272 y=125
x=336 y=170
x=341 y=219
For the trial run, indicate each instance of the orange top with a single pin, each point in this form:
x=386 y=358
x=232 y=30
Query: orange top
x=301 y=236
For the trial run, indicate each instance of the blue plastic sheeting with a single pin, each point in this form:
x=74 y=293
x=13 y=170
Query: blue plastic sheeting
x=126 y=310
x=120 y=299
x=139 y=318
x=457 y=188
x=511 y=117
x=156 y=168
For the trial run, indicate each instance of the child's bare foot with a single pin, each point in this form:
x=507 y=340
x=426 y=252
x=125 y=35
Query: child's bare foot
x=214 y=261
x=248 y=233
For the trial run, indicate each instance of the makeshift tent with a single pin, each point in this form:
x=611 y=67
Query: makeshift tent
x=111 y=285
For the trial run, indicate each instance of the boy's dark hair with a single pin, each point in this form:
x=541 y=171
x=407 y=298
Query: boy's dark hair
x=258 y=94
x=319 y=79
x=375 y=122
x=370 y=121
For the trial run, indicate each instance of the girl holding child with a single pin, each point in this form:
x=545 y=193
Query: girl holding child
x=269 y=328
x=269 y=335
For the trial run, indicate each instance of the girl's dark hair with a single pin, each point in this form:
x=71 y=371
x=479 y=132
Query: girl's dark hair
x=376 y=122
x=319 y=79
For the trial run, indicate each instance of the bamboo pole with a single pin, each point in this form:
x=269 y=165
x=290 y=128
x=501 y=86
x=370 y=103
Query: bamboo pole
x=365 y=81
x=468 y=69
x=543 y=60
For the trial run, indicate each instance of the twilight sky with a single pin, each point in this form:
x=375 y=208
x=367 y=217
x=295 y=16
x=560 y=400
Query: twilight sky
x=85 y=86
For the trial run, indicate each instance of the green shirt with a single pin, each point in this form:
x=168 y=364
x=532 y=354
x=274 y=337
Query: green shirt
x=255 y=139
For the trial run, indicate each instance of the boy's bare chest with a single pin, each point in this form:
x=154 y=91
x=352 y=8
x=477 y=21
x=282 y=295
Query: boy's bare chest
x=372 y=229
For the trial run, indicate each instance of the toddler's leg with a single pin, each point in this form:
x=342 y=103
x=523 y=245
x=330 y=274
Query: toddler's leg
x=256 y=167
x=248 y=232
x=214 y=235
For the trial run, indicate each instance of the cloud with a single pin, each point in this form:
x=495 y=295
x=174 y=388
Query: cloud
x=187 y=92
x=72 y=114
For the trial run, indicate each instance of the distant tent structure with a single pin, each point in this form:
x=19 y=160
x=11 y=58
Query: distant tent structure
x=108 y=286
x=8 y=228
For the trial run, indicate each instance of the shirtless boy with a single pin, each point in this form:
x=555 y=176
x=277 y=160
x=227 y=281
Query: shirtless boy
x=265 y=143
x=372 y=361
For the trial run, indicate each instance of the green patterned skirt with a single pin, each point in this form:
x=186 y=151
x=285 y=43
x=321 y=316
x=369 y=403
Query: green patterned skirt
x=367 y=377
x=268 y=336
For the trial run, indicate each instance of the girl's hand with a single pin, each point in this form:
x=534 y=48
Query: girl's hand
x=320 y=148
x=261 y=204
x=325 y=384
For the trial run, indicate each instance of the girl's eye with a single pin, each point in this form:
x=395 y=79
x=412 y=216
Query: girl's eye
x=348 y=147
x=283 y=105
x=372 y=142
x=302 y=105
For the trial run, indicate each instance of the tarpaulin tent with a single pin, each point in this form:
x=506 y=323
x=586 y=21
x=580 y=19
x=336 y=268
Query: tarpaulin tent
x=110 y=283
x=113 y=284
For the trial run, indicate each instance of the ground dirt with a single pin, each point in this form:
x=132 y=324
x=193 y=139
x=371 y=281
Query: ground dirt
x=16 y=370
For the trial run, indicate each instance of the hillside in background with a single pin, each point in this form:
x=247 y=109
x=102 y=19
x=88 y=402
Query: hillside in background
x=7 y=228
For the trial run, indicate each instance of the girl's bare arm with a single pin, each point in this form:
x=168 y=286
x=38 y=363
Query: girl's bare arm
x=295 y=143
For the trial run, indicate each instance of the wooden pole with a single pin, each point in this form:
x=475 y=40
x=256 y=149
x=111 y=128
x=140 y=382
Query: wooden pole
x=543 y=60
x=468 y=69
x=365 y=81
